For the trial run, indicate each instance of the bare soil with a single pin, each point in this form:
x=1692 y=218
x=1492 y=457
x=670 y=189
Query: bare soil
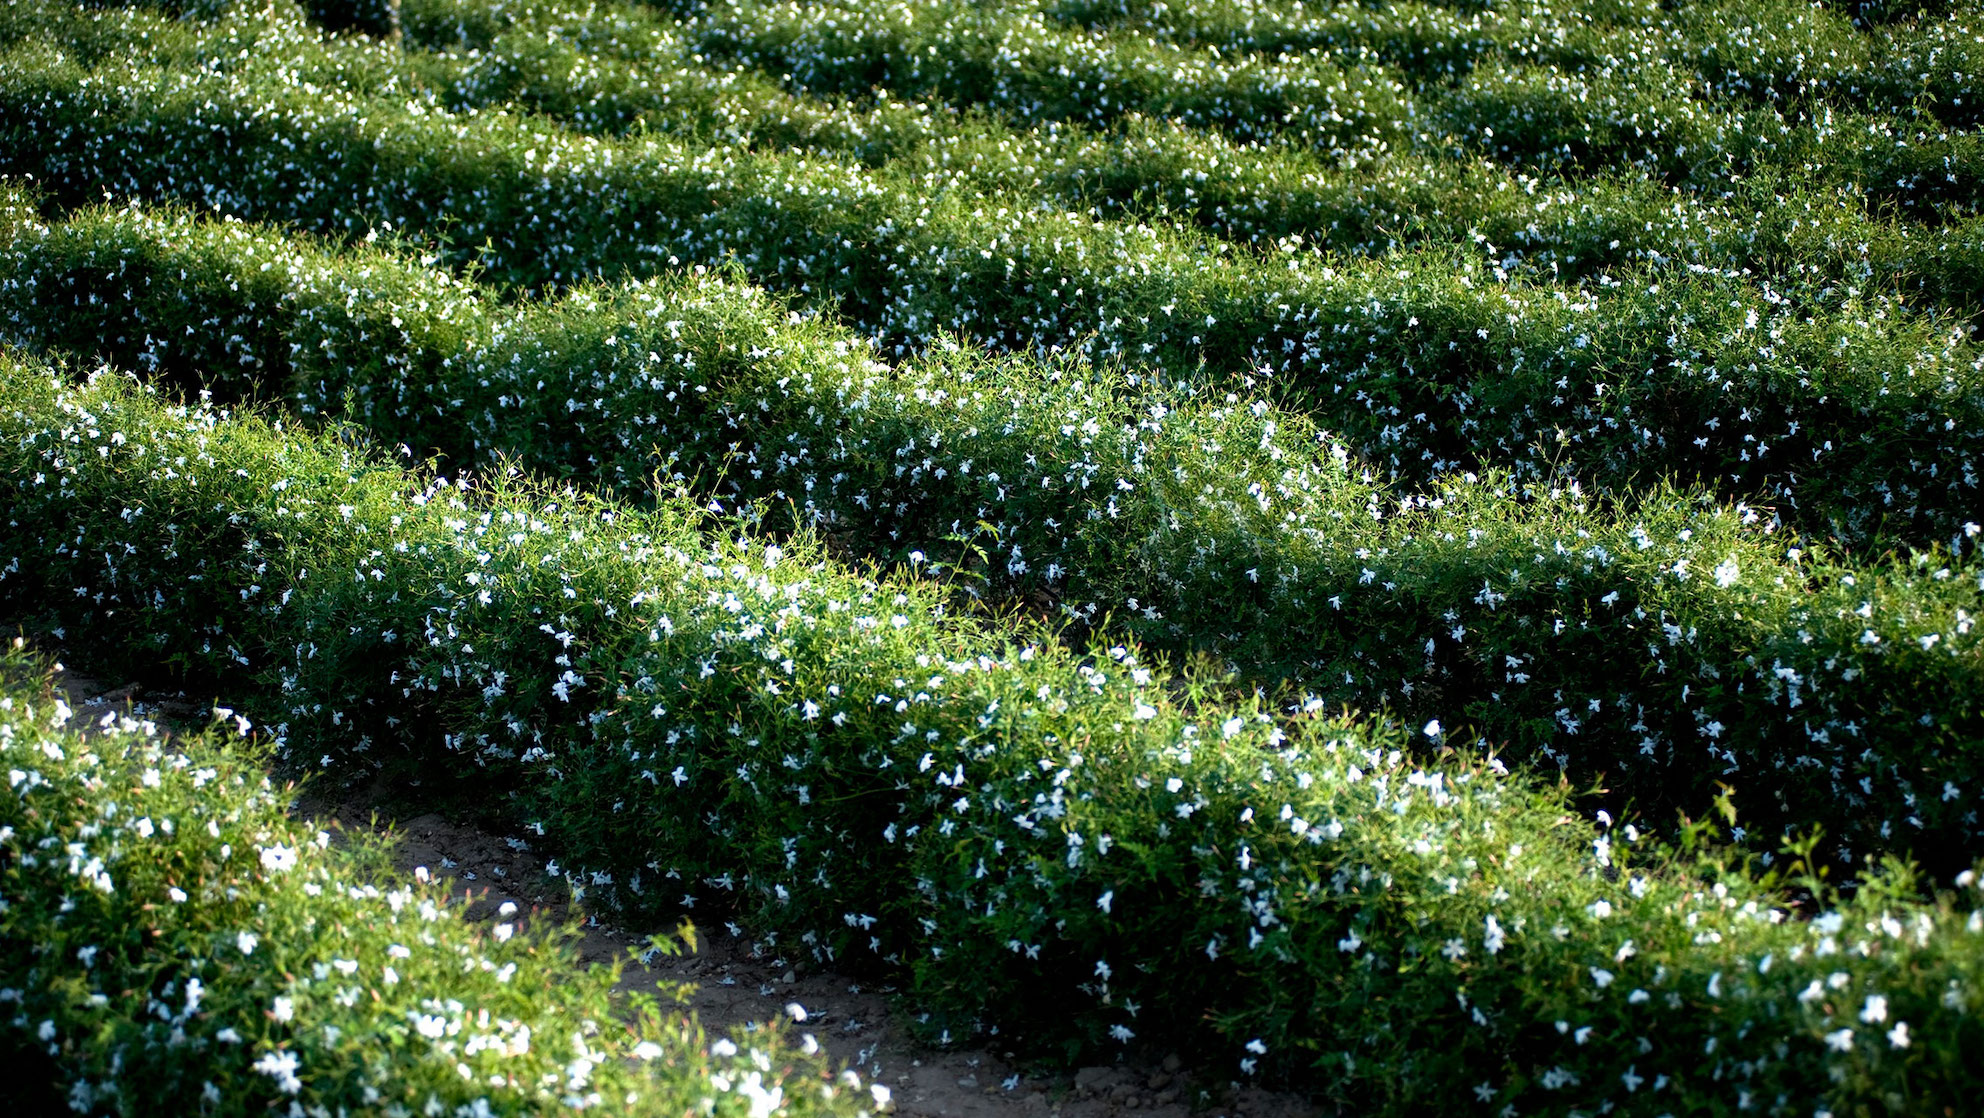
x=732 y=981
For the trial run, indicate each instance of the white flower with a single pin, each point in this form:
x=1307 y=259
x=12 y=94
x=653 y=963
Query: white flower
x=1601 y=977
x=246 y=941
x=1433 y=728
x=1727 y=573
x=723 y=1048
x=1600 y=909
x=1898 y=1036
x=880 y=1094
x=795 y=1011
x=647 y=1050
x=278 y=859
x=503 y=932
x=285 y=1009
x=1841 y=1041
x=1875 y=1010
x=281 y=1065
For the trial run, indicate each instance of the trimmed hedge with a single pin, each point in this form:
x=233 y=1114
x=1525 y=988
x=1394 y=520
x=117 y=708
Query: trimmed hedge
x=173 y=942
x=1667 y=642
x=1770 y=51
x=1081 y=849
x=1018 y=64
x=612 y=69
x=1423 y=364
x=608 y=68
x=1706 y=244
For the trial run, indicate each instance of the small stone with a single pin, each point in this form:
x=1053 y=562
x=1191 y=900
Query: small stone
x=968 y=1081
x=1172 y=1063
x=1158 y=1080
x=791 y=977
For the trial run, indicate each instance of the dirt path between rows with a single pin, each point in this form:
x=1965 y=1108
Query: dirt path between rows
x=738 y=983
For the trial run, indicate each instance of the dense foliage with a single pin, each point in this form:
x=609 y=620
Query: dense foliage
x=1680 y=643
x=1692 y=366
x=1081 y=503
x=175 y=942
x=1024 y=828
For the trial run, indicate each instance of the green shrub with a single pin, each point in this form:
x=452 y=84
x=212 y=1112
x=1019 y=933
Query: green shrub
x=606 y=69
x=1016 y=62
x=1717 y=261
x=1425 y=364
x=1666 y=641
x=175 y=942
x=1930 y=64
x=1083 y=850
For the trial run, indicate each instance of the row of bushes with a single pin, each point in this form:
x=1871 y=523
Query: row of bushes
x=1698 y=96
x=1078 y=849
x=614 y=67
x=1684 y=97
x=1772 y=47
x=611 y=69
x=1668 y=640
x=1423 y=363
x=1420 y=65
x=1016 y=63
x=1747 y=47
x=597 y=70
x=172 y=941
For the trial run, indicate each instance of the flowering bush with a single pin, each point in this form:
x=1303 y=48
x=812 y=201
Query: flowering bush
x=1664 y=642
x=175 y=942
x=1423 y=366
x=1028 y=830
x=1591 y=386
x=611 y=69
